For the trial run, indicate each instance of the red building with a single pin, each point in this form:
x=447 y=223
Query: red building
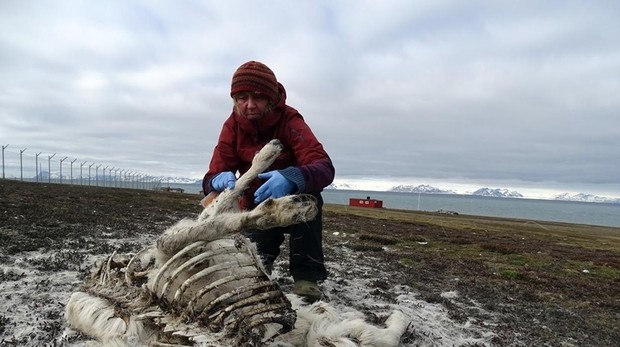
x=368 y=202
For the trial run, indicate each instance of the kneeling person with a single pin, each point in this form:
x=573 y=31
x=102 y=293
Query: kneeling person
x=260 y=114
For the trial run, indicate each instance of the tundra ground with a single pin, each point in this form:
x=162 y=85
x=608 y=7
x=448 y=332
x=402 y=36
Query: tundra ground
x=465 y=280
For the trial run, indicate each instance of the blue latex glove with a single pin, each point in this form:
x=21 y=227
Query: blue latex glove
x=223 y=180
x=276 y=186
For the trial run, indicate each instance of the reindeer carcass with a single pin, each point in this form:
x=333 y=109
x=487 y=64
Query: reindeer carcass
x=203 y=284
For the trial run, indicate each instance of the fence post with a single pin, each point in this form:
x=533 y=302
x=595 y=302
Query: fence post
x=61 y=160
x=89 y=166
x=72 y=170
x=36 y=169
x=97 y=174
x=21 y=167
x=49 y=168
x=3 y=147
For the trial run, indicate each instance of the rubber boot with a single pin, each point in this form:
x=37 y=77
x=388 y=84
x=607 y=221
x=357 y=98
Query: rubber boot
x=308 y=290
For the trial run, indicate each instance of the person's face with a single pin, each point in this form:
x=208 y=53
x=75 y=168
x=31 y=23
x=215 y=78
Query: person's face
x=251 y=105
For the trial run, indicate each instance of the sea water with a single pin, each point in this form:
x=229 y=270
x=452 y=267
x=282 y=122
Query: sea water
x=604 y=214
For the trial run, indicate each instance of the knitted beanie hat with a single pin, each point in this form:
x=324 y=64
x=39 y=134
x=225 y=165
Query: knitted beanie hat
x=254 y=76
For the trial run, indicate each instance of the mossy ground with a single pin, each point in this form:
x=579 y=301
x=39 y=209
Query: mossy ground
x=551 y=283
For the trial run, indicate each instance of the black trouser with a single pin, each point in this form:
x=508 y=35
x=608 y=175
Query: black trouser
x=305 y=246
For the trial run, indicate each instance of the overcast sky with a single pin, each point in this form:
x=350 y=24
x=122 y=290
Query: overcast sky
x=503 y=94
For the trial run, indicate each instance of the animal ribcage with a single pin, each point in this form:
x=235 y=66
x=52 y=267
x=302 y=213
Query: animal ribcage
x=221 y=284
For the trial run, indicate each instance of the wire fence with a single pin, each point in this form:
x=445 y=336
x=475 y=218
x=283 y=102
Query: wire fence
x=53 y=168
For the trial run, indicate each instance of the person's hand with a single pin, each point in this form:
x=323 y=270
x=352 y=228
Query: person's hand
x=276 y=186
x=223 y=180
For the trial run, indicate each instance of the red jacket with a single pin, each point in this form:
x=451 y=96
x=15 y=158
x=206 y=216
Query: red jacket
x=241 y=138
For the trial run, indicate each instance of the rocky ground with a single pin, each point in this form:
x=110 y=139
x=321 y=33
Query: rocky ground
x=464 y=280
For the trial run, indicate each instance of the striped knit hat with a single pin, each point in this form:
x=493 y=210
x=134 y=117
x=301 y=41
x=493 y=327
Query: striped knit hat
x=254 y=76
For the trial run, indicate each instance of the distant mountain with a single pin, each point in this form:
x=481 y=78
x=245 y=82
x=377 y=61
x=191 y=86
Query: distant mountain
x=422 y=188
x=344 y=186
x=497 y=193
x=585 y=198
x=179 y=180
x=44 y=175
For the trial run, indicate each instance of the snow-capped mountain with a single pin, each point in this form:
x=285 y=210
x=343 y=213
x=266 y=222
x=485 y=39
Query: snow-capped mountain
x=584 y=198
x=422 y=188
x=180 y=180
x=498 y=193
x=343 y=186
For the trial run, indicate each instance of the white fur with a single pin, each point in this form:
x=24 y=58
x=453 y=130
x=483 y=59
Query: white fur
x=320 y=324
x=96 y=317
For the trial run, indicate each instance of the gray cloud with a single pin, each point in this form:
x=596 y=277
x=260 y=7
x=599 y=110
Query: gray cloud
x=521 y=93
